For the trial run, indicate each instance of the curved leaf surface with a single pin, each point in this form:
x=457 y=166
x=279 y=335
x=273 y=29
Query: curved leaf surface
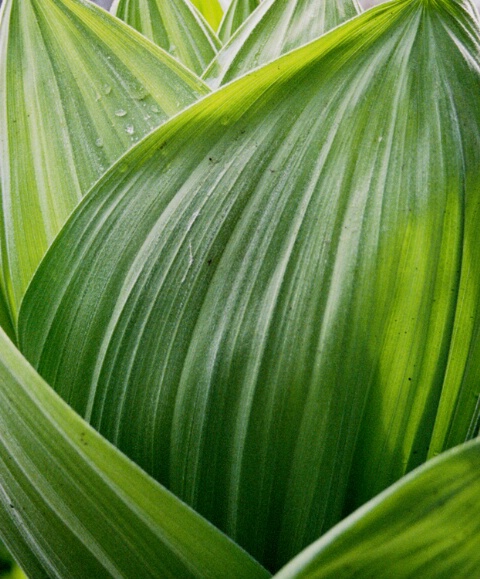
x=78 y=88
x=277 y=27
x=71 y=505
x=427 y=525
x=211 y=10
x=255 y=300
x=175 y=26
x=235 y=15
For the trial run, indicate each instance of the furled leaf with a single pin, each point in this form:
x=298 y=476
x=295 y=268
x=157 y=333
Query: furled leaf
x=427 y=525
x=211 y=10
x=78 y=88
x=71 y=505
x=277 y=27
x=272 y=277
x=175 y=26
x=236 y=14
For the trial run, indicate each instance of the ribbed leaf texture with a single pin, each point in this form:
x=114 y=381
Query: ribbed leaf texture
x=264 y=301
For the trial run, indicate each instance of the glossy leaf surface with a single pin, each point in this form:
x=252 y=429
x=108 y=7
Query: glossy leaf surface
x=175 y=26
x=274 y=276
x=71 y=505
x=275 y=28
x=78 y=88
x=427 y=525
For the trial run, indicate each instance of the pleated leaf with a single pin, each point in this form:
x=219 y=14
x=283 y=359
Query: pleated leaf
x=78 y=88
x=427 y=525
x=275 y=28
x=175 y=26
x=71 y=505
x=260 y=298
x=235 y=15
x=211 y=10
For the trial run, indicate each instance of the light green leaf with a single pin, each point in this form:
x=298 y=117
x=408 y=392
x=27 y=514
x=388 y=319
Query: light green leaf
x=237 y=12
x=211 y=10
x=273 y=277
x=174 y=25
x=71 y=505
x=427 y=525
x=78 y=88
x=458 y=417
x=277 y=27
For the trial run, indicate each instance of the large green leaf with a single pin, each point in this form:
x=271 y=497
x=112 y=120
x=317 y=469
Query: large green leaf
x=427 y=525
x=71 y=505
x=211 y=10
x=273 y=276
x=175 y=26
x=277 y=27
x=237 y=12
x=77 y=89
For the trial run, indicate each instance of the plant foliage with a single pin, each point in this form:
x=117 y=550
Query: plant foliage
x=264 y=293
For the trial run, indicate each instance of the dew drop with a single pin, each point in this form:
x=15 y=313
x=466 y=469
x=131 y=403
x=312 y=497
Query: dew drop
x=155 y=109
x=107 y=89
x=120 y=113
x=99 y=143
x=130 y=129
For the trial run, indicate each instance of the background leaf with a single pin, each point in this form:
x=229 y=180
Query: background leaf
x=277 y=27
x=427 y=525
x=211 y=10
x=175 y=26
x=257 y=299
x=107 y=85
x=236 y=13
x=72 y=506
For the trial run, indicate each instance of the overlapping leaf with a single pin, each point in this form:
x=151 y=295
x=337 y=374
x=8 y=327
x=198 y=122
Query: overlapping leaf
x=275 y=28
x=72 y=506
x=428 y=526
x=211 y=10
x=78 y=88
x=237 y=12
x=275 y=275
x=175 y=26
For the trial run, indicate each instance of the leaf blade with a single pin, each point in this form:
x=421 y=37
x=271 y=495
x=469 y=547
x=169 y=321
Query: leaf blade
x=71 y=504
x=211 y=10
x=425 y=525
x=173 y=25
x=237 y=12
x=277 y=27
x=262 y=287
x=73 y=59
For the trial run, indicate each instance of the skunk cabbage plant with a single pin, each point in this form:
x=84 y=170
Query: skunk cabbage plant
x=240 y=289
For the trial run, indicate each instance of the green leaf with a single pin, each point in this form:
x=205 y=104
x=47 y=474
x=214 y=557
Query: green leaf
x=427 y=525
x=211 y=10
x=275 y=28
x=71 y=505
x=458 y=417
x=272 y=277
x=175 y=26
x=78 y=88
x=5 y=320
x=237 y=12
